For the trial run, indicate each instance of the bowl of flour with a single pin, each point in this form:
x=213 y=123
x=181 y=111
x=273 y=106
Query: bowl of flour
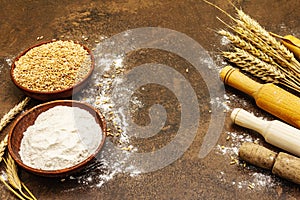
x=57 y=138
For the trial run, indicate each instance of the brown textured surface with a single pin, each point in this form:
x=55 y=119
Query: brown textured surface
x=188 y=177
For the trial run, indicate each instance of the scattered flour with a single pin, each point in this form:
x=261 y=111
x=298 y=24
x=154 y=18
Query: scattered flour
x=61 y=137
x=107 y=78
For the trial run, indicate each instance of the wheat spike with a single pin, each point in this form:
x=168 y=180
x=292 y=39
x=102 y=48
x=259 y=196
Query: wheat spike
x=260 y=69
x=10 y=115
x=6 y=119
x=3 y=145
x=243 y=44
x=257 y=44
x=260 y=44
x=13 y=178
x=260 y=32
x=253 y=65
x=255 y=27
x=264 y=57
x=239 y=42
x=12 y=175
x=11 y=189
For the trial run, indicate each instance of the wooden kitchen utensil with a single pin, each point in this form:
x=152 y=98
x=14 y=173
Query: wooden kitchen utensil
x=275 y=132
x=269 y=97
x=281 y=164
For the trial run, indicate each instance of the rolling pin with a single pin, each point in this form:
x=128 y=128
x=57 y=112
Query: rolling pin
x=275 y=132
x=284 y=165
x=268 y=97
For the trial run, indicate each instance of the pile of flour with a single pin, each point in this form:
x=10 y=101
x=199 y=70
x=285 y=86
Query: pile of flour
x=60 y=137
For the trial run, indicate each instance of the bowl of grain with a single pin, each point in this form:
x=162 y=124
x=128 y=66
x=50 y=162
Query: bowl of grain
x=57 y=138
x=53 y=70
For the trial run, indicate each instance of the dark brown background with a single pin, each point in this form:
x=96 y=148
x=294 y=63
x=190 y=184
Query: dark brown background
x=21 y=22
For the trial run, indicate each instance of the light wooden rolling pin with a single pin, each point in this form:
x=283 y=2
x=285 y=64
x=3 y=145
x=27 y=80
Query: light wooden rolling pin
x=275 y=132
x=269 y=97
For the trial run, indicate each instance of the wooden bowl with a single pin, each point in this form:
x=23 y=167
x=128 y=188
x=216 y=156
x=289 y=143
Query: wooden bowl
x=27 y=119
x=53 y=95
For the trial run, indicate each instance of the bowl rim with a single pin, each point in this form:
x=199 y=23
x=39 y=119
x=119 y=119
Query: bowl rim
x=55 y=91
x=64 y=171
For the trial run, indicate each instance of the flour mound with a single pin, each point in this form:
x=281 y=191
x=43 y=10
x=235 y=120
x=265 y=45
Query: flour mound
x=60 y=137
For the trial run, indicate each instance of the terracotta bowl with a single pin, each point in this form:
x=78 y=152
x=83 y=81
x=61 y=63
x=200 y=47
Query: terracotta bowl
x=27 y=119
x=53 y=95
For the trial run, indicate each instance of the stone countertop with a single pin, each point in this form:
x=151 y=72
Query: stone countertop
x=163 y=160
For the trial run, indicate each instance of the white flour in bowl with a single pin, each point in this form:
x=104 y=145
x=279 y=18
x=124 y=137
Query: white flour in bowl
x=60 y=137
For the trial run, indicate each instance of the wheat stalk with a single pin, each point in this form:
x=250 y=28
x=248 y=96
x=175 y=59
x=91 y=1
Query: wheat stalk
x=14 y=180
x=11 y=189
x=6 y=119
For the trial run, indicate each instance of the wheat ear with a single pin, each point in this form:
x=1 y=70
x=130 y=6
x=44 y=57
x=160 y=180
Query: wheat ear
x=6 y=119
x=249 y=41
x=263 y=46
x=256 y=28
x=243 y=44
x=260 y=69
x=15 y=110
x=239 y=42
x=271 y=41
x=3 y=145
x=253 y=65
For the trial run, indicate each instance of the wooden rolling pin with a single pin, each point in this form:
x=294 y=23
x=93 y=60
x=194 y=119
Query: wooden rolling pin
x=275 y=132
x=290 y=42
x=281 y=164
x=269 y=97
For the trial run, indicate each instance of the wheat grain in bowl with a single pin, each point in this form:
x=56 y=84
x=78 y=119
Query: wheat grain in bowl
x=52 y=66
x=53 y=70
